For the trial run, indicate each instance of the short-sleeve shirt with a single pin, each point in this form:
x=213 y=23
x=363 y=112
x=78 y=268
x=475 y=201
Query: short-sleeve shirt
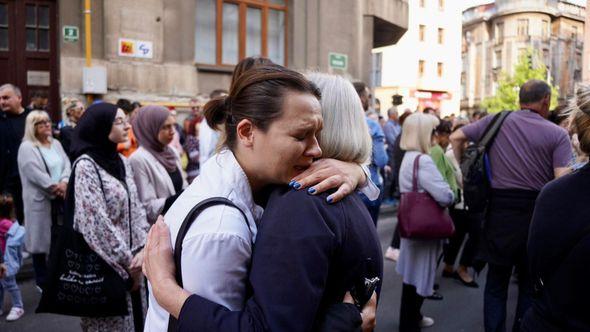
x=526 y=150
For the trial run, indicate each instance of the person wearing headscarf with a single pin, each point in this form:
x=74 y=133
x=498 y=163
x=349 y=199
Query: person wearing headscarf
x=156 y=166
x=107 y=209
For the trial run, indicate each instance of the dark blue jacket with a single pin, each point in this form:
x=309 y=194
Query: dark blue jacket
x=307 y=255
x=559 y=254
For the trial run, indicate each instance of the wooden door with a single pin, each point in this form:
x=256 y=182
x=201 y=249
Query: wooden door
x=29 y=49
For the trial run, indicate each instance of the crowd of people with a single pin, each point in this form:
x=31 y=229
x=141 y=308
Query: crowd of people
x=290 y=164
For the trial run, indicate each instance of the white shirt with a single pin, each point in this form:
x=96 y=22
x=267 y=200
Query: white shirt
x=218 y=246
x=208 y=139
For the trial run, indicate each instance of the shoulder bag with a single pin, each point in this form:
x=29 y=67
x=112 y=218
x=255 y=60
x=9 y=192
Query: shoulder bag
x=420 y=216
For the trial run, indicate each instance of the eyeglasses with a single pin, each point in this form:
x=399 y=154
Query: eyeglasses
x=120 y=122
x=42 y=123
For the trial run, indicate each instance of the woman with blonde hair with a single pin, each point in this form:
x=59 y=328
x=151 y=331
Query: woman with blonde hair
x=73 y=109
x=330 y=247
x=44 y=169
x=417 y=260
x=558 y=245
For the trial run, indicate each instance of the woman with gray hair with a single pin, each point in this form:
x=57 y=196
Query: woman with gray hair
x=44 y=168
x=156 y=167
x=332 y=248
x=417 y=260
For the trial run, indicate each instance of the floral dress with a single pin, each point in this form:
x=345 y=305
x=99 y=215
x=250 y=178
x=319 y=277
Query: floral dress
x=106 y=225
x=191 y=147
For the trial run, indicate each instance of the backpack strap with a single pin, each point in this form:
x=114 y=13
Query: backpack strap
x=186 y=224
x=492 y=130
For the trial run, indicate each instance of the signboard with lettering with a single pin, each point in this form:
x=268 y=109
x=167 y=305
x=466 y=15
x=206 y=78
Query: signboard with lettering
x=71 y=33
x=38 y=78
x=136 y=48
x=338 y=61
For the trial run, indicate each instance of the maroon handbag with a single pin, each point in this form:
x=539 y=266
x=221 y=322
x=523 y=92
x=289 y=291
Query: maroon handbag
x=420 y=216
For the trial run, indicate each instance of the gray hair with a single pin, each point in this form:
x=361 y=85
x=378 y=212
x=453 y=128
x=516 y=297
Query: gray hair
x=345 y=135
x=533 y=91
x=13 y=88
x=391 y=111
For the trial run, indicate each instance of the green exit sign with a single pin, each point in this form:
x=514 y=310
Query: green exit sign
x=338 y=61
x=71 y=33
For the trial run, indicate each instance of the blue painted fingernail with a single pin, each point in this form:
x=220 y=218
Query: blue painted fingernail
x=311 y=190
x=291 y=183
x=329 y=199
x=297 y=185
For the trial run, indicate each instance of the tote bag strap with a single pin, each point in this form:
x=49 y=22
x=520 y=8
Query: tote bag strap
x=415 y=173
x=186 y=224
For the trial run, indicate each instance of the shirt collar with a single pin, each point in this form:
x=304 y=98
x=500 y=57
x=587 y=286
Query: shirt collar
x=233 y=174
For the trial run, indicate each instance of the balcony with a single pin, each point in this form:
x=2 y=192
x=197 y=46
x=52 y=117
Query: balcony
x=390 y=20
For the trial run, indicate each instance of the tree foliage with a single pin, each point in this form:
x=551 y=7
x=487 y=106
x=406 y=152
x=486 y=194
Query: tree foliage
x=529 y=66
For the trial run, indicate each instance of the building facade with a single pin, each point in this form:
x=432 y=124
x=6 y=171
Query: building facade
x=424 y=66
x=170 y=50
x=496 y=34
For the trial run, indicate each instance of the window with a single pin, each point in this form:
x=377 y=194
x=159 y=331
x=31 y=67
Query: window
x=37 y=28
x=377 y=67
x=4 y=27
x=422 y=3
x=440 y=69
x=441 y=5
x=498 y=59
x=545 y=27
x=499 y=32
x=422 y=32
x=441 y=35
x=574 y=33
x=523 y=27
x=421 y=65
x=230 y=30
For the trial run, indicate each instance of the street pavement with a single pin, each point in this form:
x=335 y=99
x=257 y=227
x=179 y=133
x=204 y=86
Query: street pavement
x=461 y=309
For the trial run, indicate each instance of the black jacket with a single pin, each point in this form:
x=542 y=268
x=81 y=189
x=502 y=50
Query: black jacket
x=307 y=255
x=12 y=130
x=559 y=254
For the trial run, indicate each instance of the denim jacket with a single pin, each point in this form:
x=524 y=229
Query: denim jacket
x=379 y=157
x=13 y=255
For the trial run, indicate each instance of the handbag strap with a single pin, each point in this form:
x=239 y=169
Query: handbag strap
x=415 y=173
x=44 y=162
x=186 y=224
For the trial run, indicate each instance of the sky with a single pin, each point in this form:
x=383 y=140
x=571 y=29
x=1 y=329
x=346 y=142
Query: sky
x=469 y=3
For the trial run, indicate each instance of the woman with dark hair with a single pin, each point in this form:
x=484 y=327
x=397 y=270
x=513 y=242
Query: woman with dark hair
x=269 y=156
x=107 y=209
x=156 y=167
x=467 y=224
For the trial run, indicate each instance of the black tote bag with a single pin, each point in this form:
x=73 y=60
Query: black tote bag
x=80 y=282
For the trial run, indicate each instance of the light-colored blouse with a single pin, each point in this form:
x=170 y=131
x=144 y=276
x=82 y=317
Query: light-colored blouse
x=218 y=246
x=53 y=160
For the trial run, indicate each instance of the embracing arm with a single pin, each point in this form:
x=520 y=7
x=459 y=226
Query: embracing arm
x=325 y=174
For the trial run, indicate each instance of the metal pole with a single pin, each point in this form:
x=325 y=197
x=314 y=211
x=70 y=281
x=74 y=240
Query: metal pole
x=88 y=37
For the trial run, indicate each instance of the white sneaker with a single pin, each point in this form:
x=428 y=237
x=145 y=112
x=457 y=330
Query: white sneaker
x=426 y=322
x=392 y=254
x=15 y=313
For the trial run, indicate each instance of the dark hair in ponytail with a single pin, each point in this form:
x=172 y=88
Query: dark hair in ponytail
x=257 y=95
